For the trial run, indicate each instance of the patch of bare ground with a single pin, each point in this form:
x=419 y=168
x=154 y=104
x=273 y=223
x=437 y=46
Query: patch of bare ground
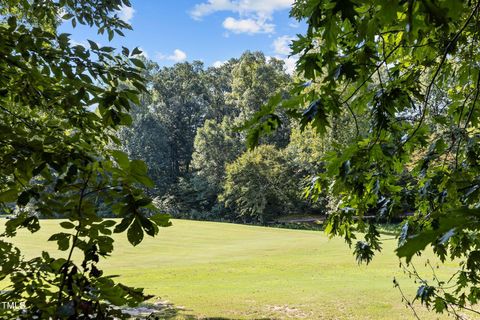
x=288 y=312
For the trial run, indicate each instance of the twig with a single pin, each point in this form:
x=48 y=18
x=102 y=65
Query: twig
x=354 y=118
x=75 y=239
x=409 y=304
x=475 y=99
x=22 y=119
x=371 y=74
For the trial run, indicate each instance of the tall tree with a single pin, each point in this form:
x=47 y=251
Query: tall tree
x=237 y=89
x=147 y=138
x=56 y=160
x=180 y=100
x=218 y=81
x=255 y=80
x=216 y=145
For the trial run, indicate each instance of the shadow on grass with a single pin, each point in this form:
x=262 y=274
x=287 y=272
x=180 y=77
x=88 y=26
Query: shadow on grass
x=167 y=311
x=181 y=316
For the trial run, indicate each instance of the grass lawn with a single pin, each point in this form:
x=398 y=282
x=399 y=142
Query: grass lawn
x=245 y=272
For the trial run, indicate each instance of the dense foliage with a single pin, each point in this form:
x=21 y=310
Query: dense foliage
x=410 y=71
x=186 y=128
x=58 y=159
x=380 y=122
x=258 y=187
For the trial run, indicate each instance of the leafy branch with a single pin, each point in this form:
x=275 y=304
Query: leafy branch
x=446 y=51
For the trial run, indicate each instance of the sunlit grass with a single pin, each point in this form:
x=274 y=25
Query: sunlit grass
x=236 y=271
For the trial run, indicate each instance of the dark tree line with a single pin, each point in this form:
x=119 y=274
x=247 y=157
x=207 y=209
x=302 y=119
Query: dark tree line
x=187 y=130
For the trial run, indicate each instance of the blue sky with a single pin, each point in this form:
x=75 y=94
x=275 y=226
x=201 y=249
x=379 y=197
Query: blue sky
x=212 y=31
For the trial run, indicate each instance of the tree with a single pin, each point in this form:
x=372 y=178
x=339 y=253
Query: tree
x=259 y=185
x=185 y=127
x=236 y=90
x=410 y=68
x=56 y=158
x=304 y=154
x=147 y=138
x=218 y=81
x=180 y=101
x=216 y=145
x=254 y=81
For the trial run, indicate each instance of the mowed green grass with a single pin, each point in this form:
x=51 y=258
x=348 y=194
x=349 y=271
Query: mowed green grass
x=246 y=272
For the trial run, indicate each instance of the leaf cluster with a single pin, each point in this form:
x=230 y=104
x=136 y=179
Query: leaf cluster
x=58 y=161
x=406 y=74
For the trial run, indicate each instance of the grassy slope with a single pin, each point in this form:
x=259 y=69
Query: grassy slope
x=235 y=271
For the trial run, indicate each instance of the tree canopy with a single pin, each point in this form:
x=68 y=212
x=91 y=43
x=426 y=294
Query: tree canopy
x=409 y=70
x=185 y=129
x=59 y=157
x=381 y=121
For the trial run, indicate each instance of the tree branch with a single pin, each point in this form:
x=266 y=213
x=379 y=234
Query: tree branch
x=74 y=243
x=437 y=71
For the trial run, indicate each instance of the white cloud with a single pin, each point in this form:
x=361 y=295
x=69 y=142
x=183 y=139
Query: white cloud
x=282 y=52
x=261 y=8
x=126 y=13
x=79 y=43
x=250 y=26
x=255 y=16
x=177 y=56
x=294 y=25
x=203 y=9
x=218 y=63
x=289 y=62
x=281 y=45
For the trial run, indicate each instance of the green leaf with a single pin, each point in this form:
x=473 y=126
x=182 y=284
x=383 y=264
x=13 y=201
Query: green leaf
x=67 y=16
x=143 y=202
x=119 y=32
x=121 y=158
x=316 y=113
x=135 y=233
x=161 y=219
x=12 y=22
x=67 y=225
x=23 y=199
x=149 y=228
x=123 y=225
x=93 y=45
x=105 y=245
x=439 y=305
x=63 y=244
x=62 y=239
x=136 y=51
x=138 y=167
x=448 y=224
x=108 y=223
x=137 y=62
x=9 y=195
x=138 y=171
